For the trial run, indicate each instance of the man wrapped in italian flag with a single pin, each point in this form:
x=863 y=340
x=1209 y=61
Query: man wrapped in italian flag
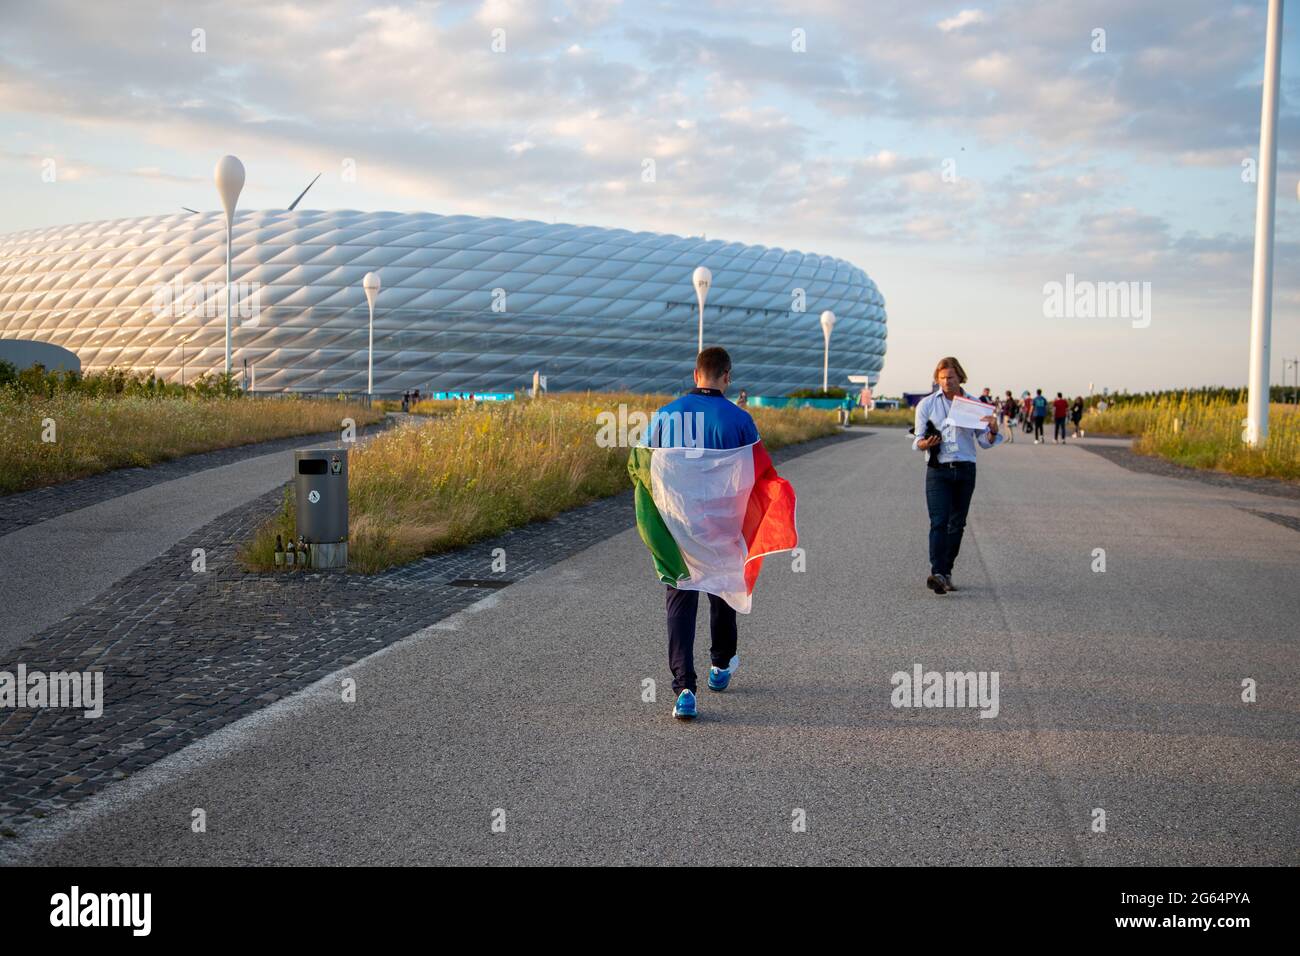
x=709 y=506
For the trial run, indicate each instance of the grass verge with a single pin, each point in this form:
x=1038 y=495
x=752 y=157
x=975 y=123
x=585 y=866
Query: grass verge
x=46 y=440
x=1200 y=432
x=885 y=417
x=476 y=472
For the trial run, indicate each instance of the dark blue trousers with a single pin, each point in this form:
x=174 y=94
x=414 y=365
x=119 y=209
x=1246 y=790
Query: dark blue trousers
x=682 y=606
x=948 y=491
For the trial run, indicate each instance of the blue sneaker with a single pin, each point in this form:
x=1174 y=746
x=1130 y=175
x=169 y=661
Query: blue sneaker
x=684 y=709
x=720 y=678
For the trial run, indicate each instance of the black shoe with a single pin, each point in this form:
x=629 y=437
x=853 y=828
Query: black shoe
x=936 y=584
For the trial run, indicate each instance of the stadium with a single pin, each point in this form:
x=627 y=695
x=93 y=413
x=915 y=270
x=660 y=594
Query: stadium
x=466 y=303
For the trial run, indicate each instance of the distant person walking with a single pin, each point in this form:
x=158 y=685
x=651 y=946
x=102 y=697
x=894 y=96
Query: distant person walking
x=950 y=471
x=743 y=399
x=1007 y=416
x=1027 y=412
x=1040 y=413
x=1060 y=412
x=846 y=409
x=1076 y=415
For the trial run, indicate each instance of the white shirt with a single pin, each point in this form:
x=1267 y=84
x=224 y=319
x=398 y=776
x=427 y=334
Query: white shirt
x=958 y=444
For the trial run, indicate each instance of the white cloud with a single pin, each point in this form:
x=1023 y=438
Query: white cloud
x=963 y=19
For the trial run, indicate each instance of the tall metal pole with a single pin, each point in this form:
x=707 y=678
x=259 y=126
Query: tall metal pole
x=702 y=279
x=370 y=285
x=229 y=226
x=828 y=323
x=1261 y=293
x=229 y=177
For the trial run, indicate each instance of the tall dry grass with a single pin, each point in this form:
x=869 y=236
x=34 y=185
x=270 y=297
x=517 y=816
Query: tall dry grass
x=475 y=472
x=1208 y=434
x=95 y=434
x=1205 y=432
x=885 y=417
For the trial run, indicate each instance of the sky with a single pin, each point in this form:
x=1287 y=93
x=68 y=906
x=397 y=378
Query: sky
x=968 y=156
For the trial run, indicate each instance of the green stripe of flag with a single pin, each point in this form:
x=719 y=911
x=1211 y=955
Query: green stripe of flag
x=669 y=563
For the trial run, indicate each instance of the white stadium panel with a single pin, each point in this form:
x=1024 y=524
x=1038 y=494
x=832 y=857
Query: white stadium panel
x=590 y=308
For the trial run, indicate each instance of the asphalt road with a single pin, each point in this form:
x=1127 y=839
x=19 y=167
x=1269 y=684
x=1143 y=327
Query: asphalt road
x=1119 y=691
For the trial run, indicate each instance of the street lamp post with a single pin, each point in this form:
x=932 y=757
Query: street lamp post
x=371 y=284
x=702 y=279
x=828 y=323
x=229 y=176
x=1261 y=292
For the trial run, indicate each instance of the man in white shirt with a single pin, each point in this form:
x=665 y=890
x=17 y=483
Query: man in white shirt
x=950 y=477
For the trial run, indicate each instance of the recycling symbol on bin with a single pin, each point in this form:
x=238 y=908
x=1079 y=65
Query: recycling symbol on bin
x=313 y=496
x=336 y=466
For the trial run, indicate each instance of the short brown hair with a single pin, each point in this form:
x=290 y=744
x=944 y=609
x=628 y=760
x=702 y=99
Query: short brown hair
x=713 y=362
x=953 y=364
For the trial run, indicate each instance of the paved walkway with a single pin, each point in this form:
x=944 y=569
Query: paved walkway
x=1119 y=691
x=51 y=567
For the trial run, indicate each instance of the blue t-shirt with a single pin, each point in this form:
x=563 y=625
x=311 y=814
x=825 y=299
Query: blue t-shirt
x=702 y=418
x=1040 y=407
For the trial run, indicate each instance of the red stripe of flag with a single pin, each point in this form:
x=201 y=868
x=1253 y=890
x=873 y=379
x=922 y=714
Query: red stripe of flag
x=769 y=516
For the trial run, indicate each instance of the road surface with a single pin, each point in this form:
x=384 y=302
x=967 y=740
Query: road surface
x=1120 y=692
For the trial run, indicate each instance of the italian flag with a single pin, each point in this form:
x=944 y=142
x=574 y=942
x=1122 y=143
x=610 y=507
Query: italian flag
x=709 y=516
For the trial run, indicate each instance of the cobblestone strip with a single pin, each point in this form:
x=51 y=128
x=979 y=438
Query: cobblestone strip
x=185 y=653
x=25 y=508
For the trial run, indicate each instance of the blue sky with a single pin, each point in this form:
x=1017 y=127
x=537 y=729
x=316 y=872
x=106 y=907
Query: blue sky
x=1114 y=165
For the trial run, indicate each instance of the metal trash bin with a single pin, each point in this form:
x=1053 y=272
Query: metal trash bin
x=320 y=477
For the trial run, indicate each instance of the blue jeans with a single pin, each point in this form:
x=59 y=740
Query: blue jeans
x=948 y=491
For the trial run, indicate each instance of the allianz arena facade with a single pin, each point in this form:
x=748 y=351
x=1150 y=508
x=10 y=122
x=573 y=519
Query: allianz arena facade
x=466 y=303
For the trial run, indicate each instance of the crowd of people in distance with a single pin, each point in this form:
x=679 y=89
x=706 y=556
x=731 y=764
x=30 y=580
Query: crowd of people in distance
x=1031 y=413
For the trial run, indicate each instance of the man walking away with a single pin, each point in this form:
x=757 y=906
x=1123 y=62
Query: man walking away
x=1060 y=412
x=724 y=425
x=1076 y=415
x=1007 y=416
x=1040 y=413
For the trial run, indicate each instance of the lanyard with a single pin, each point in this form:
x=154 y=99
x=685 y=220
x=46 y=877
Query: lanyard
x=947 y=412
